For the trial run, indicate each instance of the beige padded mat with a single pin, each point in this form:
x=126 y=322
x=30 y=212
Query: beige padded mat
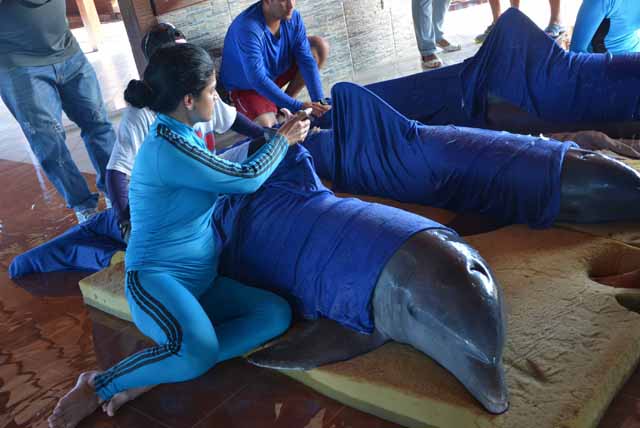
x=570 y=344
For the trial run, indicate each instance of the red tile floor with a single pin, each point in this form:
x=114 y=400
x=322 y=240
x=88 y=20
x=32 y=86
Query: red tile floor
x=48 y=336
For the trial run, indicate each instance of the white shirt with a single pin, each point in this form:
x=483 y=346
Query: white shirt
x=135 y=124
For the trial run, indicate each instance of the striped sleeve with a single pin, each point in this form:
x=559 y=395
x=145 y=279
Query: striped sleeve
x=182 y=164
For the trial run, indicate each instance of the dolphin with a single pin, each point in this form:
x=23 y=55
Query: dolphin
x=340 y=261
x=436 y=294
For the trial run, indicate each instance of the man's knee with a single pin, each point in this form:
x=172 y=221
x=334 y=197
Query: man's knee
x=319 y=49
x=267 y=120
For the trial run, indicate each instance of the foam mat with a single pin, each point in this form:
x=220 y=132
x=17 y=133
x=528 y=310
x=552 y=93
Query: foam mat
x=104 y=290
x=571 y=343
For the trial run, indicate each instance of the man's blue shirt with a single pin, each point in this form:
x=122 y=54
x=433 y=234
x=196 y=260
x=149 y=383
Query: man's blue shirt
x=253 y=57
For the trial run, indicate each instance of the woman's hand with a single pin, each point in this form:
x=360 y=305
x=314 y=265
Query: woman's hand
x=295 y=127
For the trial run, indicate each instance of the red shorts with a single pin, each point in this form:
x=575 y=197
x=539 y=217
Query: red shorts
x=252 y=104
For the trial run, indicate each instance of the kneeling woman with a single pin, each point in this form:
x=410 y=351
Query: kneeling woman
x=195 y=317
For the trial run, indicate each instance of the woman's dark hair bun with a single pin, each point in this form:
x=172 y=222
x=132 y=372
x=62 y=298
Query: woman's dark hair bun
x=138 y=94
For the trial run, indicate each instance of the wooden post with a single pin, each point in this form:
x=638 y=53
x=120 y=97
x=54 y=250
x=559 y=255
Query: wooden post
x=91 y=22
x=138 y=17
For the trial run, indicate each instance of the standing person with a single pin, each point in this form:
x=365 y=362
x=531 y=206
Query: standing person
x=195 y=317
x=607 y=26
x=266 y=48
x=42 y=72
x=428 y=18
x=554 y=30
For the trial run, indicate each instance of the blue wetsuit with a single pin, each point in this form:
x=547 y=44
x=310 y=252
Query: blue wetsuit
x=624 y=22
x=172 y=288
x=253 y=57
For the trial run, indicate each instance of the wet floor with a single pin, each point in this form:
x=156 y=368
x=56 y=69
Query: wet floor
x=48 y=336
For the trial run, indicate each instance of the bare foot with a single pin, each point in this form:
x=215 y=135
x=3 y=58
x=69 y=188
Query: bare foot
x=110 y=407
x=77 y=404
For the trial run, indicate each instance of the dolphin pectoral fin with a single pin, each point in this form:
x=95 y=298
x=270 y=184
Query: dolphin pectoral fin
x=317 y=343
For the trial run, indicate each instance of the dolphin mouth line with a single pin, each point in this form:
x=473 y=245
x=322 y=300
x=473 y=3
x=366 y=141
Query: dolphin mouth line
x=471 y=349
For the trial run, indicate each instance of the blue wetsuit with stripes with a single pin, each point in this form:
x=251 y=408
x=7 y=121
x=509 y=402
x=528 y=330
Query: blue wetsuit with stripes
x=176 y=298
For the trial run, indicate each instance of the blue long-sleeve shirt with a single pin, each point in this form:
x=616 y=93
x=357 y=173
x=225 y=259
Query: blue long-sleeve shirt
x=624 y=16
x=253 y=57
x=175 y=183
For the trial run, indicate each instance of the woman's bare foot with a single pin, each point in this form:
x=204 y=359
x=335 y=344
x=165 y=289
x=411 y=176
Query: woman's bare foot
x=110 y=407
x=77 y=404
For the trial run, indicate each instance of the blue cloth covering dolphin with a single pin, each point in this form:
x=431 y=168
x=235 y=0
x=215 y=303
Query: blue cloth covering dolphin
x=322 y=252
x=512 y=178
x=520 y=64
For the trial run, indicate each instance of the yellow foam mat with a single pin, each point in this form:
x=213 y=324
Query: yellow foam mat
x=104 y=290
x=570 y=344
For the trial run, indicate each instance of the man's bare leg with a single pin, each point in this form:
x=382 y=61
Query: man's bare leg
x=266 y=119
x=496 y=9
x=77 y=404
x=554 y=18
x=320 y=51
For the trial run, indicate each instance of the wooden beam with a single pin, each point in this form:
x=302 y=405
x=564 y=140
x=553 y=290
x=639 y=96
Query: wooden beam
x=138 y=18
x=91 y=22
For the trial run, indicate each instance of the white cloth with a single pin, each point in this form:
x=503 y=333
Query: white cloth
x=135 y=124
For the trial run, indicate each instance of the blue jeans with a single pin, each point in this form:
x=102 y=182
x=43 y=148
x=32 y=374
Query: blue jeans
x=36 y=97
x=428 y=17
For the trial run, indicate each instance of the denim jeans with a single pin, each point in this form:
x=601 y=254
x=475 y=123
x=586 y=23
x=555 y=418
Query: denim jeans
x=428 y=17
x=36 y=97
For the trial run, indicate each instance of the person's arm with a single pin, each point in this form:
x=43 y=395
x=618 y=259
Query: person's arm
x=244 y=126
x=182 y=165
x=226 y=117
x=254 y=68
x=133 y=128
x=118 y=190
x=306 y=62
x=590 y=15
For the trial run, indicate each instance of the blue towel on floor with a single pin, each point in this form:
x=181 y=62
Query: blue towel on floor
x=374 y=150
x=297 y=239
x=85 y=247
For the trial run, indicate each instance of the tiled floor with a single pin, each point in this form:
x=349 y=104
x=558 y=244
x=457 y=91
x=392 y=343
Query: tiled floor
x=48 y=336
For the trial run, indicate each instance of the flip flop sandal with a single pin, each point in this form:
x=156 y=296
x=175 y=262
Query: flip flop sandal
x=450 y=47
x=555 y=30
x=432 y=63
